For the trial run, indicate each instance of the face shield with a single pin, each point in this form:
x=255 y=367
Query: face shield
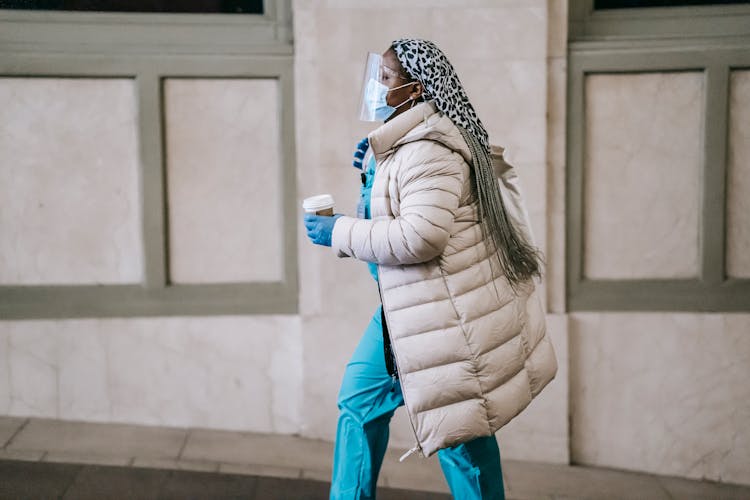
x=378 y=80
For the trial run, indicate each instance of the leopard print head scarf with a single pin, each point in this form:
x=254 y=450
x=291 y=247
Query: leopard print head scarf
x=426 y=63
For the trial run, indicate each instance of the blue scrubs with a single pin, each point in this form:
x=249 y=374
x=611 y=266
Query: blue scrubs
x=367 y=400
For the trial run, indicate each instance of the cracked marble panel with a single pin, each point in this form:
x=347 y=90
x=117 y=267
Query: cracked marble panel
x=664 y=393
x=738 y=177
x=224 y=180
x=5 y=379
x=220 y=372
x=242 y=373
x=32 y=368
x=83 y=374
x=336 y=25
x=642 y=175
x=510 y=97
x=69 y=194
x=329 y=341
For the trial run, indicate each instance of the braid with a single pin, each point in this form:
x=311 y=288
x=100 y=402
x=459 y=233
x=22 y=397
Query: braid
x=427 y=64
x=518 y=260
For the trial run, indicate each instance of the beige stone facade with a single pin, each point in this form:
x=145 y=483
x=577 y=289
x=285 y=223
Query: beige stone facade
x=662 y=392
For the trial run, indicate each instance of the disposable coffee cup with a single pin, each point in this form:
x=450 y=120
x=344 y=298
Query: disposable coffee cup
x=321 y=204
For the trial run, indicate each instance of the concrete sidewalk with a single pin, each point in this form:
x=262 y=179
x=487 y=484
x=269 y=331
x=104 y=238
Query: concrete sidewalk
x=139 y=452
x=22 y=480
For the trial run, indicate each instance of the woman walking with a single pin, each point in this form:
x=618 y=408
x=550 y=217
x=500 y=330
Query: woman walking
x=460 y=337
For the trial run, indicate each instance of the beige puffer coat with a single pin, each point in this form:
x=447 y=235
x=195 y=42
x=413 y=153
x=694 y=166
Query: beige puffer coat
x=470 y=354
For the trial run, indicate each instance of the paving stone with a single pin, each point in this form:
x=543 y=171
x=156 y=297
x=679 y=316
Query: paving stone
x=533 y=480
x=398 y=494
x=262 y=470
x=414 y=473
x=8 y=427
x=536 y=496
x=98 y=482
x=20 y=479
x=85 y=458
x=284 y=489
x=685 y=489
x=172 y=464
x=272 y=466
x=183 y=485
x=27 y=455
x=263 y=449
x=99 y=439
x=317 y=475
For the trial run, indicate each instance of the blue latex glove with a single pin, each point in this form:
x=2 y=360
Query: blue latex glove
x=319 y=228
x=359 y=154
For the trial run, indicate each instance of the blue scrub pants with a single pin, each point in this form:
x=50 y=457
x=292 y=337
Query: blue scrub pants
x=367 y=401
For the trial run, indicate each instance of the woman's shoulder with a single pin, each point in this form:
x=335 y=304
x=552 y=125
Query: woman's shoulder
x=427 y=157
x=438 y=136
x=426 y=151
x=426 y=146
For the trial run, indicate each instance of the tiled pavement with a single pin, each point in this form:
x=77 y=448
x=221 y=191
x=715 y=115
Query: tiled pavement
x=58 y=459
x=33 y=480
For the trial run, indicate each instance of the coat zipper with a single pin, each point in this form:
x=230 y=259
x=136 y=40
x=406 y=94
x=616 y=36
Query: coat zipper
x=418 y=446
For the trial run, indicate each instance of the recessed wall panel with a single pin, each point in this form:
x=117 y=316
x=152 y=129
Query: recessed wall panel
x=661 y=392
x=69 y=204
x=642 y=159
x=224 y=180
x=738 y=177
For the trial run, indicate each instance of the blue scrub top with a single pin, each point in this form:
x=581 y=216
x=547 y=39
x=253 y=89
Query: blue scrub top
x=363 y=208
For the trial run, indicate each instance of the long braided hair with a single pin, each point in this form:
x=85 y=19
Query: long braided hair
x=425 y=62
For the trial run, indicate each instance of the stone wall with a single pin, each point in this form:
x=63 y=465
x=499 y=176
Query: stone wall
x=658 y=392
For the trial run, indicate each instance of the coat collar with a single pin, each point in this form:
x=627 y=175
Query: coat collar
x=423 y=121
x=384 y=138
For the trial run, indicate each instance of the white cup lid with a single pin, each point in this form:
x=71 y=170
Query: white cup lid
x=319 y=202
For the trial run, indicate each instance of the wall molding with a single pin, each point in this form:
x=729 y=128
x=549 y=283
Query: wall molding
x=657 y=23
x=148 y=33
x=162 y=46
x=612 y=53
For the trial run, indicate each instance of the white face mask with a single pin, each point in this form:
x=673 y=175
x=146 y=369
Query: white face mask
x=375 y=94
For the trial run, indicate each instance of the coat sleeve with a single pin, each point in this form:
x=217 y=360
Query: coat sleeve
x=429 y=187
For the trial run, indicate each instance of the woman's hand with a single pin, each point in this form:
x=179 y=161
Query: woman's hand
x=320 y=228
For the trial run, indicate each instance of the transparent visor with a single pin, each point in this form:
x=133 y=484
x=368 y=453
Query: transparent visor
x=378 y=79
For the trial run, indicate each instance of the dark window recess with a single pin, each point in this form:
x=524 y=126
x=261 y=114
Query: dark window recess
x=175 y=6
x=639 y=4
